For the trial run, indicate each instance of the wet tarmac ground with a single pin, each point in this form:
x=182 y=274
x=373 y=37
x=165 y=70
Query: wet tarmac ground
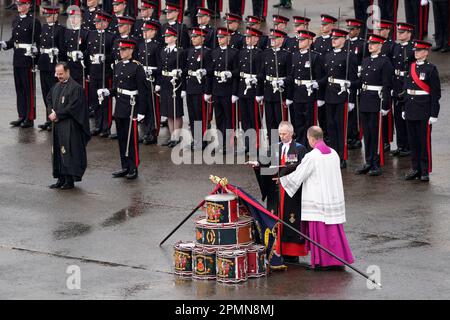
x=111 y=228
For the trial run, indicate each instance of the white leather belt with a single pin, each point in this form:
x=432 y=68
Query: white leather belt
x=270 y=78
x=366 y=87
x=150 y=68
x=399 y=73
x=95 y=58
x=47 y=51
x=22 y=45
x=417 y=92
x=169 y=73
x=336 y=81
x=303 y=82
x=192 y=73
x=127 y=92
x=247 y=75
x=219 y=73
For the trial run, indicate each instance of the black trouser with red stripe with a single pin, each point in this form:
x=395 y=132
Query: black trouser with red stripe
x=400 y=125
x=132 y=161
x=303 y=119
x=23 y=80
x=48 y=80
x=250 y=117
x=224 y=114
x=103 y=112
x=419 y=136
x=335 y=123
x=370 y=126
x=260 y=8
x=197 y=112
x=237 y=6
x=273 y=117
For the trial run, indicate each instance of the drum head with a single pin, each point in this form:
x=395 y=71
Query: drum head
x=220 y=197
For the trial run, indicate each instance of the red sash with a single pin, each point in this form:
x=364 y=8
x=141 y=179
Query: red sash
x=420 y=83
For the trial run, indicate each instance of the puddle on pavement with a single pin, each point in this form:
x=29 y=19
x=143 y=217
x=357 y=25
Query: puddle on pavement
x=70 y=230
x=125 y=214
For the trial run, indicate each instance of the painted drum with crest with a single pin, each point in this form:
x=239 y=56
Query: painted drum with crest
x=204 y=263
x=231 y=266
x=256 y=261
x=224 y=235
x=221 y=208
x=182 y=257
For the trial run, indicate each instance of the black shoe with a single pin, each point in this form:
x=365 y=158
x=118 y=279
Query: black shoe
x=187 y=13
x=174 y=143
x=113 y=136
x=404 y=153
x=50 y=128
x=436 y=48
x=278 y=5
x=288 y=5
x=165 y=144
x=290 y=259
x=343 y=164
x=386 y=147
x=91 y=114
x=374 y=172
x=68 y=185
x=105 y=134
x=95 y=132
x=44 y=126
x=150 y=140
x=412 y=175
x=27 y=124
x=17 y=122
x=445 y=49
x=364 y=169
x=425 y=177
x=133 y=174
x=355 y=144
x=140 y=140
x=120 y=173
x=395 y=152
x=164 y=124
x=58 y=184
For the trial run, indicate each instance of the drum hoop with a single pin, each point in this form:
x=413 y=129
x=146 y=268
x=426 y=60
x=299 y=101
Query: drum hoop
x=224 y=196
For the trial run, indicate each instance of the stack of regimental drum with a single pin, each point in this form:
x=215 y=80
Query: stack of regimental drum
x=224 y=247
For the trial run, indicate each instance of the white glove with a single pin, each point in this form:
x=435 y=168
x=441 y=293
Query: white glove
x=103 y=92
x=178 y=72
x=347 y=84
x=259 y=99
x=101 y=58
x=3 y=45
x=173 y=81
x=140 y=117
x=201 y=72
x=423 y=2
x=351 y=106
x=227 y=74
x=55 y=51
x=207 y=97
x=315 y=85
x=250 y=81
x=280 y=82
x=289 y=102
x=34 y=49
x=320 y=103
x=148 y=72
x=157 y=88
x=432 y=120
x=183 y=94
x=78 y=55
x=403 y=115
x=234 y=99
x=384 y=112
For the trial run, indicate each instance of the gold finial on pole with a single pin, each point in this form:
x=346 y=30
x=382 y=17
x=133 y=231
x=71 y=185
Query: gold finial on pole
x=215 y=179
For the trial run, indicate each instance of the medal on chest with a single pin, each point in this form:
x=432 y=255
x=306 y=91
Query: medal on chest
x=422 y=76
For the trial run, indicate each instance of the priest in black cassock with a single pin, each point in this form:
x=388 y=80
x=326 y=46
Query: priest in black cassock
x=70 y=121
x=288 y=156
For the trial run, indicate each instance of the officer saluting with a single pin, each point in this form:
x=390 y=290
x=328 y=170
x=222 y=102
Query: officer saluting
x=376 y=84
x=198 y=83
x=148 y=55
x=130 y=89
x=25 y=33
x=307 y=68
x=52 y=38
x=423 y=91
x=402 y=57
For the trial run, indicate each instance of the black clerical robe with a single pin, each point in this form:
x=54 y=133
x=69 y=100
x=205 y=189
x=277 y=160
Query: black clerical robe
x=71 y=131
